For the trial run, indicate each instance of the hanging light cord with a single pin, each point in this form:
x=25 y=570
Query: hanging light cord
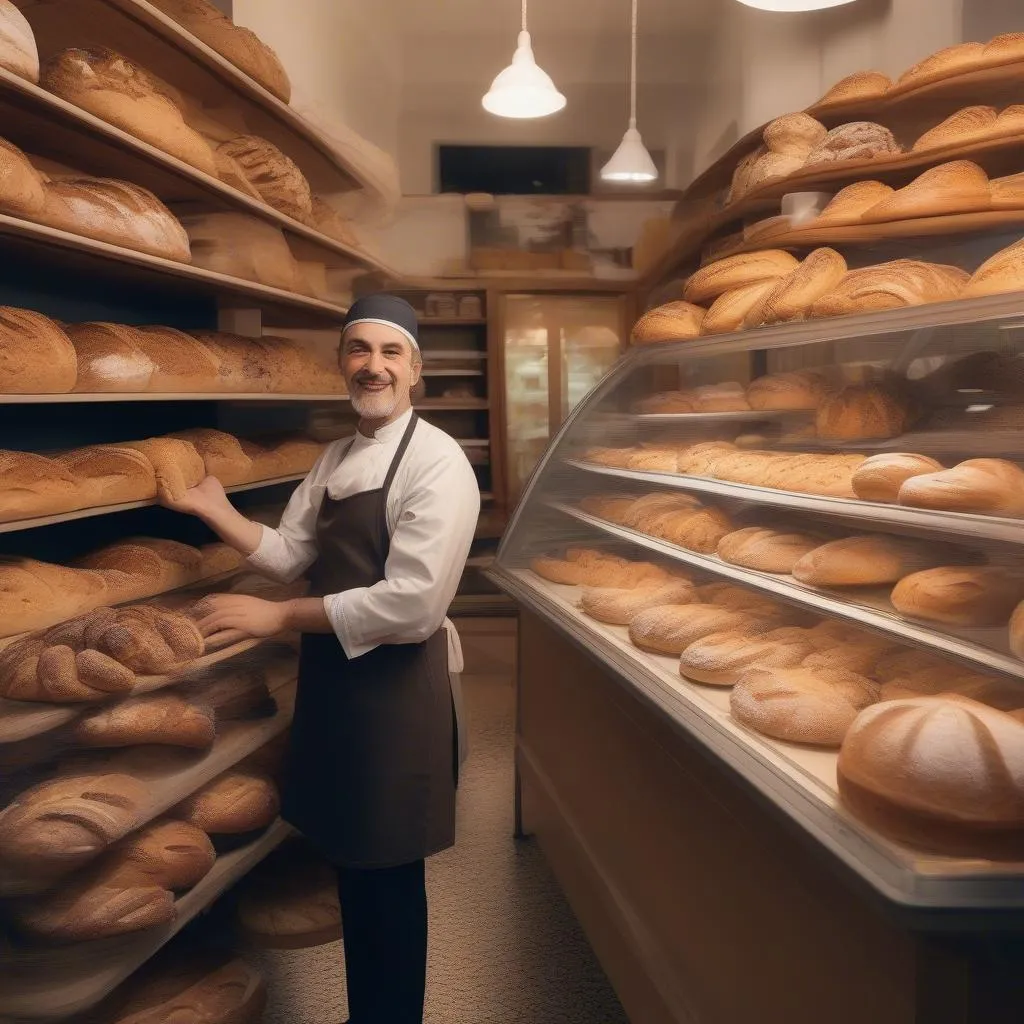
x=632 y=68
x=524 y=15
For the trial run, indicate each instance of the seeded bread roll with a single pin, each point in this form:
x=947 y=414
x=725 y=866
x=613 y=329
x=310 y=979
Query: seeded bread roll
x=794 y=391
x=858 y=140
x=860 y=85
x=801 y=705
x=960 y=595
x=737 y=271
x=816 y=276
x=862 y=411
x=36 y=356
x=871 y=560
x=765 y=550
x=165 y=719
x=620 y=607
x=957 y=187
x=670 y=629
x=880 y=477
x=675 y=321
x=233 y=803
x=1003 y=272
x=732 y=310
x=794 y=134
x=990 y=486
x=721 y=659
x=849 y=204
x=896 y=772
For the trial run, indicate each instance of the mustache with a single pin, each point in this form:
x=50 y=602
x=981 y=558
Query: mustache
x=372 y=378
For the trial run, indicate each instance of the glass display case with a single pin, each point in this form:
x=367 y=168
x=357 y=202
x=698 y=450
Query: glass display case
x=803 y=546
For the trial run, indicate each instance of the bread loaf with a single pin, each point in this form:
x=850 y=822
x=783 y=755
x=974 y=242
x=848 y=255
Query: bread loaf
x=607 y=506
x=670 y=629
x=291 y=905
x=765 y=550
x=239 y=45
x=870 y=560
x=18 y=52
x=960 y=595
x=237 y=245
x=721 y=659
x=989 y=486
x=732 y=309
x=620 y=607
x=880 y=477
x=897 y=769
x=770 y=167
x=275 y=176
x=696 y=531
x=109 y=358
x=794 y=134
x=964 y=126
x=644 y=511
x=1003 y=272
x=740 y=185
x=738 y=271
x=243 y=364
x=234 y=695
x=891 y=286
x=111 y=474
x=957 y=187
x=861 y=85
x=31 y=485
x=59 y=825
x=116 y=90
x=816 y=276
x=1004 y=694
x=675 y=321
x=858 y=140
x=35 y=595
x=798 y=390
x=36 y=356
x=139 y=568
x=801 y=705
x=176 y=463
x=945 y=63
x=234 y=802
x=617 y=457
x=221 y=453
x=858 y=653
x=699 y=459
x=116 y=212
x=157 y=718
x=1007 y=193
x=862 y=411
x=848 y=205
x=22 y=187
x=180 y=362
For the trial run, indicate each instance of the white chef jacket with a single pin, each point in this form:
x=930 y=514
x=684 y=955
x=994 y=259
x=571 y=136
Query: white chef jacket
x=432 y=512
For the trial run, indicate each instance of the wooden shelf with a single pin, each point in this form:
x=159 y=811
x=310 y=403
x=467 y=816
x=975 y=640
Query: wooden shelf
x=103 y=510
x=452 y=405
x=453 y=373
x=440 y=321
x=45 y=125
x=983 y=649
x=72 y=253
x=70 y=979
x=182 y=396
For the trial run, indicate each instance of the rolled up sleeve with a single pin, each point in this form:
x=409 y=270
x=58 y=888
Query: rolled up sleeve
x=429 y=547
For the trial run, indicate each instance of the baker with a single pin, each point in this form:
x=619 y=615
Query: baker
x=383 y=524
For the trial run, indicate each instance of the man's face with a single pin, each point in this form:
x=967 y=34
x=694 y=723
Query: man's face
x=380 y=368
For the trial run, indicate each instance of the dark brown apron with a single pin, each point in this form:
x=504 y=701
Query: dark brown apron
x=372 y=764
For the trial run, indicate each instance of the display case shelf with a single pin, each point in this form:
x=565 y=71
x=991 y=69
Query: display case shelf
x=75 y=398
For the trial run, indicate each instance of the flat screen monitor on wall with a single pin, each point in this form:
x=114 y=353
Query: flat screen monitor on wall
x=514 y=170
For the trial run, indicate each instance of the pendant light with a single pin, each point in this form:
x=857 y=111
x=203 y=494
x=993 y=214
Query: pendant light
x=793 y=5
x=631 y=162
x=523 y=90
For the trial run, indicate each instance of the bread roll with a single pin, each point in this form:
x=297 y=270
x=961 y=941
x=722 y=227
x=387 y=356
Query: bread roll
x=239 y=45
x=1003 y=272
x=861 y=85
x=957 y=187
x=861 y=411
x=798 y=390
x=858 y=140
x=816 y=276
x=165 y=719
x=696 y=531
x=670 y=629
x=801 y=705
x=36 y=356
x=116 y=90
x=964 y=126
x=892 y=286
x=22 y=187
x=848 y=205
x=578 y=566
x=611 y=507
x=989 y=486
x=870 y=560
x=646 y=510
x=233 y=803
x=728 y=595
x=699 y=459
x=675 y=321
x=960 y=595
x=667 y=402
x=794 y=134
x=18 y=53
x=765 y=550
x=945 y=63
x=731 y=310
x=895 y=769
x=738 y=271
x=858 y=653
x=653 y=460
x=721 y=659
x=620 y=607
x=880 y=477
x=275 y=176
x=31 y=485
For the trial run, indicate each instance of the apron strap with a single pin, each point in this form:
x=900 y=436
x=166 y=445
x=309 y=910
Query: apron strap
x=385 y=489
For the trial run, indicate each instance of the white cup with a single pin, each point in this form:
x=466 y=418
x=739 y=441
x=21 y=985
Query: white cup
x=801 y=207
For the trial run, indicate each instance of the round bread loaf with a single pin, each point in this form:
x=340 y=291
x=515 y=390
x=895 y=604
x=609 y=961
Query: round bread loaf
x=801 y=705
x=234 y=802
x=675 y=321
x=670 y=629
x=880 y=477
x=798 y=390
x=720 y=659
x=960 y=595
x=737 y=271
x=765 y=550
x=619 y=607
x=861 y=85
x=870 y=560
x=274 y=175
x=993 y=486
x=946 y=773
x=860 y=412
x=732 y=310
x=794 y=134
x=858 y=140
x=36 y=356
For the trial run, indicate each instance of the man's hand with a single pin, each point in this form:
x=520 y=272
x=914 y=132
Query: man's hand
x=228 y=618
x=205 y=500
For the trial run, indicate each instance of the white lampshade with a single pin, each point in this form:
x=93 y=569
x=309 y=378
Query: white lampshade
x=523 y=90
x=631 y=161
x=794 y=5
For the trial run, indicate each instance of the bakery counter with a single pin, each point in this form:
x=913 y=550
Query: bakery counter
x=695 y=851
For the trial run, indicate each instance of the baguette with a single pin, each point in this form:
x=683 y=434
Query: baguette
x=737 y=271
x=734 y=308
x=620 y=607
x=233 y=803
x=960 y=595
x=164 y=719
x=765 y=550
x=945 y=63
x=1003 y=272
x=849 y=204
x=816 y=276
x=957 y=187
x=721 y=659
x=870 y=560
x=988 y=486
x=880 y=477
x=861 y=85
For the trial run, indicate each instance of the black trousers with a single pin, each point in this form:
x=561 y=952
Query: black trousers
x=384 y=924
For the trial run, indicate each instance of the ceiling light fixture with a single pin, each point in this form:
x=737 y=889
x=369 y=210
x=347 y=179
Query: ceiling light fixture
x=523 y=90
x=631 y=162
x=793 y=5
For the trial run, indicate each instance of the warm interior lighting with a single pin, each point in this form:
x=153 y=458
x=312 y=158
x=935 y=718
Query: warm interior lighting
x=794 y=5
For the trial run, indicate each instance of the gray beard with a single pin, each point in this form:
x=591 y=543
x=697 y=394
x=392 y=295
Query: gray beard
x=375 y=407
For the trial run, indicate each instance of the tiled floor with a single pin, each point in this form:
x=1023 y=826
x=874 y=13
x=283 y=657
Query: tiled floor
x=505 y=947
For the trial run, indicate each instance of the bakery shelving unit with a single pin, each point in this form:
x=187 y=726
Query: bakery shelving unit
x=683 y=837
x=75 y=278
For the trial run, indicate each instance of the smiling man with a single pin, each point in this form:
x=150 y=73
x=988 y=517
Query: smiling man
x=383 y=524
